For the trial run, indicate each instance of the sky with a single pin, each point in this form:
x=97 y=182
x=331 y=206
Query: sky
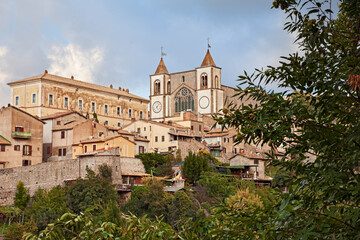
x=118 y=42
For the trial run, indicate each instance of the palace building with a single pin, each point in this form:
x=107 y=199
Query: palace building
x=47 y=94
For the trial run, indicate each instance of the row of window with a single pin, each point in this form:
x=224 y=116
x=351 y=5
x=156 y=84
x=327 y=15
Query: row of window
x=192 y=128
x=80 y=105
x=27 y=149
x=162 y=138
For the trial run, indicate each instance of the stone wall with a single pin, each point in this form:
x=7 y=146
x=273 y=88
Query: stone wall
x=50 y=174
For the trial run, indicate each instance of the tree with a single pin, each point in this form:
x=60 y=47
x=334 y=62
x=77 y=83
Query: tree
x=156 y=163
x=21 y=196
x=194 y=166
x=316 y=123
x=93 y=191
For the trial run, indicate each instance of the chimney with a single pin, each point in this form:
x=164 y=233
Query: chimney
x=127 y=90
x=46 y=71
x=72 y=77
x=119 y=88
x=111 y=86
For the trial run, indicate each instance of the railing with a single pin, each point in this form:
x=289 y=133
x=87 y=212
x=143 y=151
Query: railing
x=21 y=134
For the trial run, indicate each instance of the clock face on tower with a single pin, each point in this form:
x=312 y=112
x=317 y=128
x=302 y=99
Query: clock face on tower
x=156 y=107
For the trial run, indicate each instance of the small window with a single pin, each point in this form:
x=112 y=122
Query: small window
x=119 y=124
x=144 y=129
x=27 y=150
x=2 y=148
x=106 y=109
x=85 y=149
x=94 y=147
x=130 y=113
x=58 y=123
x=93 y=106
x=17 y=100
x=156 y=138
x=141 y=149
x=256 y=161
x=118 y=111
x=19 y=129
x=200 y=128
x=33 y=98
x=145 y=137
x=62 y=134
x=60 y=152
x=106 y=123
x=183 y=78
x=26 y=162
x=80 y=104
x=141 y=114
x=16 y=147
x=163 y=138
x=51 y=99
x=64 y=151
x=192 y=127
x=66 y=101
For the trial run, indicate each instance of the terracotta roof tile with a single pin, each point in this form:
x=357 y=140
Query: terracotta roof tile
x=141 y=139
x=58 y=114
x=161 y=68
x=4 y=141
x=208 y=60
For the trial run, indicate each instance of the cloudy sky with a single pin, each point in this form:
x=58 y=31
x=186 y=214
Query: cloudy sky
x=118 y=42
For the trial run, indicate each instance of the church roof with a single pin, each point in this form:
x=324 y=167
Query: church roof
x=208 y=60
x=161 y=68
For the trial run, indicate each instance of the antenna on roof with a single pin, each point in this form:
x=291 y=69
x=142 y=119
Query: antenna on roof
x=162 y=52
x=208 y=42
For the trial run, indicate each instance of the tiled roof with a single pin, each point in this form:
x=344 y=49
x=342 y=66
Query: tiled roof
x=124 y=132
x=68 y=126
x=4 y=141
x=141 y=139
x=208 y=60
x=94 y=140
x=79 y=83
x=20 y=110
x=59 y=114
x=161 y=68
x=249 y=155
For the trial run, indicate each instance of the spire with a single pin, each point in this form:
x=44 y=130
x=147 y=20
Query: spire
x=208 y=61
x=161 y=68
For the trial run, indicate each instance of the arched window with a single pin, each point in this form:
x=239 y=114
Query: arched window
x=217 y=83
x=157 y=87
x=169 y=87
x=204 y=80
x=184 y=100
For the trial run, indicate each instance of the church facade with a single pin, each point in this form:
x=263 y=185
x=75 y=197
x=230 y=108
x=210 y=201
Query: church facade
x=198 y=90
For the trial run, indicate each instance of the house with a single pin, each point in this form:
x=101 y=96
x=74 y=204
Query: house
x=21 y=138
x=64 y=136
x=248 y=165
x=54 y=121
x=126 y=146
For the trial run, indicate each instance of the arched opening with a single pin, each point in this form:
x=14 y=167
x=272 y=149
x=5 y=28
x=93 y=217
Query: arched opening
x=217 y=83
x=204 y=80
x=157 y=87
x=184 y=100
x=169 y=87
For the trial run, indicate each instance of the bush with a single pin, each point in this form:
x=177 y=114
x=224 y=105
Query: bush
x=17 y=230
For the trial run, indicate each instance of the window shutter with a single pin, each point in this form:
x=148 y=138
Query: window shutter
x=30 y=150
x=23 y=149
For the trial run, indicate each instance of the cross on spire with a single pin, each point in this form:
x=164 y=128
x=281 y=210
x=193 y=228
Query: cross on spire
x=162 y=52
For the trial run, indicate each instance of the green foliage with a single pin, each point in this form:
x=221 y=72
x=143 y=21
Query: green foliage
x=194 y=166
x=159 y=165
x=95 y=117
x=17 y=230
x=217 y=185
x=178 y=157
x=319 y=118
x=181 y=210
x=46 y=206
x=105 y=172
x=89 y=192
x=150 y=200
x=21 y=196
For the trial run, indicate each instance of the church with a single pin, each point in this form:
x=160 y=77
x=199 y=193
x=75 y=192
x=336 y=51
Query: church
x=198 y=90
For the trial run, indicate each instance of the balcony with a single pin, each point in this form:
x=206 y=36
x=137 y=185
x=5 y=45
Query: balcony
x=21 y=134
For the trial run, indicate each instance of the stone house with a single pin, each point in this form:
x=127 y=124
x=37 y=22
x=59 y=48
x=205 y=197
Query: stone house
x=54 y=121
x=248 y=165
x=21 y=138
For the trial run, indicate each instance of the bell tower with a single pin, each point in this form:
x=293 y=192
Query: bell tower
x=210 y=96
x=158 y=81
